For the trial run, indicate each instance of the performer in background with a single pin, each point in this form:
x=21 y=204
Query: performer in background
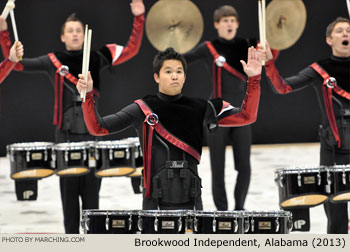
x=170 y=126
x=330 y=78
x=63 y=68
x=221 y=58
x=6 y=66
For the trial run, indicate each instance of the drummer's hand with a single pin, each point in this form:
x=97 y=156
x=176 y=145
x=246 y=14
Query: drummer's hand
x=81 y=85
x=266 y=54
x=16 y=52
x=137 y=7
x=253 y=65
x=3 y=24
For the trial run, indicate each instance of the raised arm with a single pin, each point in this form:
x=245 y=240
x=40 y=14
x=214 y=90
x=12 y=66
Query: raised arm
x=101 y=126
x=247 y=114
x=120 y=54
x=16 y=53
x=290 y=84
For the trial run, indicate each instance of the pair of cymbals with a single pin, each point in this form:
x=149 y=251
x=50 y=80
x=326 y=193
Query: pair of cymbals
x=179 y=24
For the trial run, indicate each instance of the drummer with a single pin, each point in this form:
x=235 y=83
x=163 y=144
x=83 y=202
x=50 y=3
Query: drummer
x=334 y=95
x=172 y=148
x=62 y=69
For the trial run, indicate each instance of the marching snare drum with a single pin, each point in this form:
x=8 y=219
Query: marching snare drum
x=218 y=222
x=72 y=159
x=163 y=221
x=268 y=222
x=110 y=222
x=30 y=160
x=339 y=176
x=114 y=158
x=301 y=186
x=138 y=156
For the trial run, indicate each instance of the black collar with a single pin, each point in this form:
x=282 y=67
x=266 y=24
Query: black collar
x=169 y=98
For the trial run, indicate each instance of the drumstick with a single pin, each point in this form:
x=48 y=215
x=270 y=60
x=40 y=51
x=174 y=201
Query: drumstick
x=86 y=58
x=10 y=5
x=262 y=24
x=14 y=28
x=348 y=5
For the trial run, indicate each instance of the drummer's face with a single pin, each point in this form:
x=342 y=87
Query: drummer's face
x=171 y=77
x=340 y=40
x=227 y=27
x=73 y=35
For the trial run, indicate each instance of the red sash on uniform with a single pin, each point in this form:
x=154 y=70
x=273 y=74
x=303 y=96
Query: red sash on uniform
x=152 y=121
x=59 y=79
x=217 y=71
x=328 y=87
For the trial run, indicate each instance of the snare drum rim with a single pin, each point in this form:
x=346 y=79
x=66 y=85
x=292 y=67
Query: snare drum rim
x=90 y=212
x=226 y=214
x=164 y=213
x=300 y=170
x=339 y=168
x=112 y=145
x=28 y=146
x=269 y=214
x=71 y=146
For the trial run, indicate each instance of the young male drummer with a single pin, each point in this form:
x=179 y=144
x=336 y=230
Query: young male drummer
x=221 y=58
x=62 y=69
x=6 y=66
x=170 y=126
x=331 y=79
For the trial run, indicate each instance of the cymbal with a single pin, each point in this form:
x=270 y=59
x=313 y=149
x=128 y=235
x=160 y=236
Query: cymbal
x=175 y=23
x=285 y=22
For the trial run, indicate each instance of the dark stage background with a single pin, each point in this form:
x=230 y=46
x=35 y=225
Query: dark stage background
x=26 y=100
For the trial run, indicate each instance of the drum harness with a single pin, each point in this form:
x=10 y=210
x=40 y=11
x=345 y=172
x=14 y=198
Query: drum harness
x=151 y=124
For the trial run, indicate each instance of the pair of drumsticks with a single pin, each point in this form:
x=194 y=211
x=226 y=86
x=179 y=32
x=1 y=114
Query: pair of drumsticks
x=9 y=7
x=262 y=23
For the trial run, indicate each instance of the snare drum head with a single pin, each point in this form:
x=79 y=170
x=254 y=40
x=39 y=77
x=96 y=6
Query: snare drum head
x=30 y=146
x=72 y=146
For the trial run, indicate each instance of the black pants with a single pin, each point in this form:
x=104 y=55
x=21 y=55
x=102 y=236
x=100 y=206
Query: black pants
x=240 y=138
x=85 y=186
x=337 y=213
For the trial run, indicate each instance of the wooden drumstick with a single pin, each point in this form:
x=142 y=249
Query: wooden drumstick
x=10 y=5
x=14 y=28
x=262 y=24
x=86 y=58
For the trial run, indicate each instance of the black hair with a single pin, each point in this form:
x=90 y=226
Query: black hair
x=168 y=54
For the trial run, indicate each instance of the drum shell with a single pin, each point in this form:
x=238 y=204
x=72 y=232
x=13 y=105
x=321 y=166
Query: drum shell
x=75 y=158
x=266 y=224
x=118 y=223
x=224 y=224
x=291 y=189
x=105 y=161
x=31 y=164
x=338 y=187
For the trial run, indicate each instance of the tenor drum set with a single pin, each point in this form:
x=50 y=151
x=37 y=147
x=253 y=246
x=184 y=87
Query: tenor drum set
x=37 y=160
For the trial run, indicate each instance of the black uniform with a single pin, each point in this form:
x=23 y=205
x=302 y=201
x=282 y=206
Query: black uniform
x=240 y=138
x=330 y=153
x=71 y=128
x=184 y=118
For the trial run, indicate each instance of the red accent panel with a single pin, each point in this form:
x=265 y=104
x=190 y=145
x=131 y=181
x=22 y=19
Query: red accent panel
x=276 y=79
x=90 y=116
x=135 y=40
x=6 y=67
x=250 y=106
x=5 y=42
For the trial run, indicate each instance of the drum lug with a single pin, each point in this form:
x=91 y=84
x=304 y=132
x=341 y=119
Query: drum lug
x=319 y=178
x=140 y=223
x=28 y=156
x=280 y=181
x=87 y=223
x=110 y=154
x=246 y=225
x=66 y=156
x=329 y=179
x=214 y=225
x=136 y=152
x=156 y=224
x=84 y=155
x=290 y=224
x=107 y=222
x=195 y=224
x=344 y=177
x=45 y=155
x=179 y=223
x=277 y=225
x=235 y=223
x=299 y=180
x=97 y=155
x=53 y=156
x=130 y=222
x=252 y=225
x=127 y=153
x=12 y=156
